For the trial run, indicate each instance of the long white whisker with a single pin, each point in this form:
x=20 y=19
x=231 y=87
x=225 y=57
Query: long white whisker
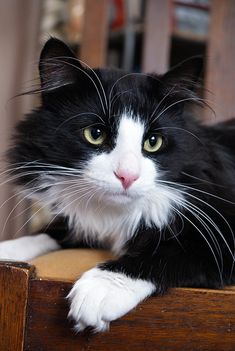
x=124 y=76
x=214 y=226
x=196 y=212
x=35 y=213
x=185 y=130
x=72 y=182
x=116 y=96
x=203 y=180
x=14 y=195
x=77 y=115
x=175 y=235
x=79 y=69
x=76 y=199
x=175 y=103
x=208 y=230
x=95 y=74
x=209 y=245
x=198 y=190
x=160 y=102
x=215 y=210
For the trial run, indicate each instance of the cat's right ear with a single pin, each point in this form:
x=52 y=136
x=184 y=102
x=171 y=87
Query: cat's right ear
x=186 y=74
x=58 y=66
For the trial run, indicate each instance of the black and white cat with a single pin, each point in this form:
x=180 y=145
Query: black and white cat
x=119 y=158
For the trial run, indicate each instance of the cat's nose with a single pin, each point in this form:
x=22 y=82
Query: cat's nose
x=126 y=178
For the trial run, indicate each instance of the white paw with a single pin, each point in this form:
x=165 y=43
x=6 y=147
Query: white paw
x=100 y=297
x=27 y=247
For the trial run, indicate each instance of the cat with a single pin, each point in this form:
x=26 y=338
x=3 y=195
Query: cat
x=123 y=163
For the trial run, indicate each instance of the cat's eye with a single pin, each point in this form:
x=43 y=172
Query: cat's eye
x=94 y=135
x=153 y=143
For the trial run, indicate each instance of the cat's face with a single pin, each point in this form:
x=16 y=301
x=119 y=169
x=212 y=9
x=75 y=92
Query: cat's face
x=105 y=138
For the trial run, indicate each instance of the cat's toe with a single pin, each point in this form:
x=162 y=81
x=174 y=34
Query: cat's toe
x=87 y=299
x=101 y=296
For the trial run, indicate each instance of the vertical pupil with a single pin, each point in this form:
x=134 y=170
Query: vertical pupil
x=152 y=140
x=96 y=133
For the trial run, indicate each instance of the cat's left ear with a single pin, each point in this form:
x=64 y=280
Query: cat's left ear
x=58 y=66
x=185 y=74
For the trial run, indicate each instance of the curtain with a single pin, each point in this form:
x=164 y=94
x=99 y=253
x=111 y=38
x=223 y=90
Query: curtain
x=19 y=31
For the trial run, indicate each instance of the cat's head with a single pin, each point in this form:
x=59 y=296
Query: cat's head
x=105 y=136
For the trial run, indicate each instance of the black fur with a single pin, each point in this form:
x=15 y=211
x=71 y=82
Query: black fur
x=196 y=156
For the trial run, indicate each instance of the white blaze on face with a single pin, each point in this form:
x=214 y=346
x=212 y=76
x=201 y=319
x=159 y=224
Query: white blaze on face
x=125 y=167
x=121 y=189
x=127 y=152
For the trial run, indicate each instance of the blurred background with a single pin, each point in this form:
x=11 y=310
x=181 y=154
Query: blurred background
x=137 y=35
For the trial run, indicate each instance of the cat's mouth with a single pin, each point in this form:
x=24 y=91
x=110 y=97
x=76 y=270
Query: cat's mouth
x=120 y=196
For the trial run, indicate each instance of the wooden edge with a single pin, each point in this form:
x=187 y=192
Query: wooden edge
x=225 y=290
x=17 y=264
x=14 y=281
x=183 y=319
x=33 y=316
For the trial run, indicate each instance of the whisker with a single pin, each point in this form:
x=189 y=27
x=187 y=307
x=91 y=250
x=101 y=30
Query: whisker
x=14 y=195
x=184 y=130
x=123 y=77
x=35 y=213
x=72 y=182
x=203 y=180
x=197 y=99
x=198 y=190
x=205 y=203
x=76 y=199
x=196 y=212
x=116 y=96
x=175 y=236
x=203 y=236
x=209 y=219
x=79 y=114
x=95 y=74
x=81 y=70
x=160 y=102
x=209 y=231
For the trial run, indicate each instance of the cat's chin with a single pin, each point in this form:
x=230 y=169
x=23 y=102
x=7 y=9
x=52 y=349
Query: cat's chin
x=119 y=197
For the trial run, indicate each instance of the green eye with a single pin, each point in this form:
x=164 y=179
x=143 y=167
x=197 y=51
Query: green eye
x=153 y=143
x=94 y=135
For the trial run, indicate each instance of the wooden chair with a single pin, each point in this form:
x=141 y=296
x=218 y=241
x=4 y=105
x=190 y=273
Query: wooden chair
x=33 y=312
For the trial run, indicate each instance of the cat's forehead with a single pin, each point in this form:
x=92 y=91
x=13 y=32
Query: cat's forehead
x=114 y=79
x=132 y=94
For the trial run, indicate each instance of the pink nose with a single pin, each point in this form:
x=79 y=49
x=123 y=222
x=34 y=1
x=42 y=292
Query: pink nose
x=126 y=178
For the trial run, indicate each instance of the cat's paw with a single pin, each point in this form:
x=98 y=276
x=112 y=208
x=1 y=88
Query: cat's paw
x=27 y=247
x=101 y=296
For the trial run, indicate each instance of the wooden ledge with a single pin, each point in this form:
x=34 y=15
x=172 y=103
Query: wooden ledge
x=33 y=315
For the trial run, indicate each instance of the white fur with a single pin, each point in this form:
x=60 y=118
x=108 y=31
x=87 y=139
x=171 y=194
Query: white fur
x=100 y=208
x=27 y=247
x=100 y=297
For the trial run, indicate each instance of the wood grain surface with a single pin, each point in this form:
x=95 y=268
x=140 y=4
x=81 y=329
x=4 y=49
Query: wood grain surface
x=14 y=279
x=184 y=319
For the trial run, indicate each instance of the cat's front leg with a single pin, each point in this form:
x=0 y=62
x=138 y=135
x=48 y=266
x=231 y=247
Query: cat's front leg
x=101 y=296
x=113 y=288
x=109 y=291
x=27 y=247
